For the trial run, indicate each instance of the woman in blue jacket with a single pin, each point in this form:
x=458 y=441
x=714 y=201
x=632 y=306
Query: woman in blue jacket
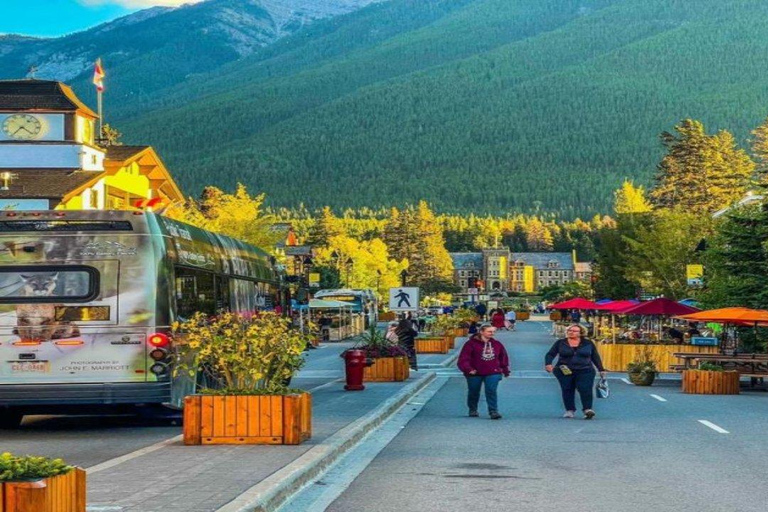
x=577 y=358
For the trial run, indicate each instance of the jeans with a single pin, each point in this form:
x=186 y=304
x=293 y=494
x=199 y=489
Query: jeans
x=582 y=381
x=475 y=382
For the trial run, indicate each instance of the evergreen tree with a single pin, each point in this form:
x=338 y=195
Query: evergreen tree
x=736 y=262
x=760 y=151
x=326 y=226
x=701 y=173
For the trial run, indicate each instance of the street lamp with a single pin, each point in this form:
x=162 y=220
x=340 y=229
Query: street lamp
x=404 y=276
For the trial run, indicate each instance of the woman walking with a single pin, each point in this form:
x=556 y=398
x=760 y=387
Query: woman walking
x=577 y=358
x=498 y=320
x=483 y=361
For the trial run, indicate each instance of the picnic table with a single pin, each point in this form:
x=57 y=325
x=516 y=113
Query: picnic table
x=748 y=365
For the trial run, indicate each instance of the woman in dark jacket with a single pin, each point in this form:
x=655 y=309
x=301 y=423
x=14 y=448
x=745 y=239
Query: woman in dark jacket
x=577 y=358
x=483 y=360
x=406 y=337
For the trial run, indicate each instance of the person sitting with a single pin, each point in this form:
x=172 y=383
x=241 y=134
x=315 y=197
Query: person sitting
x=675 y=334
x=693 y=330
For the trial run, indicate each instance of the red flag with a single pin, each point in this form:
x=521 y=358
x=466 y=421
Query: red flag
x=98 y=76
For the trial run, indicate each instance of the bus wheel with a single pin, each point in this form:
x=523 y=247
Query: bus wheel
x=10 y=419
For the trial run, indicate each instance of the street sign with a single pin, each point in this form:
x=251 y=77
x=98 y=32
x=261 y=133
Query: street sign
x=404 y=298
x=314 y=280
x=694 y=275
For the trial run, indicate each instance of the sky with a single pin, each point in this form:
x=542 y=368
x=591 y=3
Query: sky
x=51 y=18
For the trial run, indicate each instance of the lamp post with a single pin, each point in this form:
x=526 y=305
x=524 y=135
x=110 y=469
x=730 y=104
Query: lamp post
x=404 y=276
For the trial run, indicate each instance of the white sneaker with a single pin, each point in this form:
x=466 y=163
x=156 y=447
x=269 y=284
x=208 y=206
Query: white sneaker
x=568 y=414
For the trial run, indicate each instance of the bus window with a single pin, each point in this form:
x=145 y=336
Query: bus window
x=195 y=292
x=244 y=295
x=27 y=283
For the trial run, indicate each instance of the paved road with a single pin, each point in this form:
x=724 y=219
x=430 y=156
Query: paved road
x=639 y=454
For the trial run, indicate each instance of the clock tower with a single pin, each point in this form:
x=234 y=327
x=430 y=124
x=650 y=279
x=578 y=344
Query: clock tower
x=47 y=142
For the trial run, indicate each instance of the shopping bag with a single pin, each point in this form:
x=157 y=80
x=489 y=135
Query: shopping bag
x=603 y=391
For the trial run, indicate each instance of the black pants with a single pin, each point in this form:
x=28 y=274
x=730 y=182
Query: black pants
x=582 y=381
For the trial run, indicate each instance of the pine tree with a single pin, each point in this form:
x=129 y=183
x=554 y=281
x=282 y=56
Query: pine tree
x=701 y=173
x=760 y=151
x=326 y=227
x=539 y=238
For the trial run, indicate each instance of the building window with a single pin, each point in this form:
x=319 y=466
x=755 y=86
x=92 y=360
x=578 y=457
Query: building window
x=463 y=283
x=93 y=199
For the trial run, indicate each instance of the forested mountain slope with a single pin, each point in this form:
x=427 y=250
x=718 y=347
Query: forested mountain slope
x=483 y=105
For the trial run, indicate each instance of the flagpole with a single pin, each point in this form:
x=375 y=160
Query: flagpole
x=101 y=115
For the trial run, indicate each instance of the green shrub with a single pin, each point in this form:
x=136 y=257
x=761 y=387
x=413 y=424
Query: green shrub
x=711 y=367
x=14 y=468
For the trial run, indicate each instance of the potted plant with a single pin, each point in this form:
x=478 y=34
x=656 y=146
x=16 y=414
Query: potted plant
x=32 y=484
x=247 y=363
x=389 y=361
x=710 y=379
x=643 y=369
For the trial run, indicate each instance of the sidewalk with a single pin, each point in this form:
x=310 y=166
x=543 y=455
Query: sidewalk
x=177 y=478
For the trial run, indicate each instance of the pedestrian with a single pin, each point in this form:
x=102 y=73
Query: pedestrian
x=483 y=361
x=577 y=358
x=481 y=310
x=575 y=316
x=511 y=318
x=406 y=338
x=392 y=333
x=497 y=319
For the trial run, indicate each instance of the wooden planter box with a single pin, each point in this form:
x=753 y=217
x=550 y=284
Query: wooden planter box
x=702 y=382
x=450 y=339
x=616 y=356
x=64 y=493
x=247 y=419
x=555 y=316
x=431 y=345
x=522 y=315
x=387 y=369
x=389 y=316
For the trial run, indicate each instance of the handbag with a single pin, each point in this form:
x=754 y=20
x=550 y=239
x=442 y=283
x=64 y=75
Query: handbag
x=603 y=391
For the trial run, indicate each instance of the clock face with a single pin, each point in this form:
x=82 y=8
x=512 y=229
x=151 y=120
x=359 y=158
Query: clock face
x=22 y=126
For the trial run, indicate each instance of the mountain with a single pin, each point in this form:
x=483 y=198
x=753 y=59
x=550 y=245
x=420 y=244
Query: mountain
x=158 y=48
x=475 y=105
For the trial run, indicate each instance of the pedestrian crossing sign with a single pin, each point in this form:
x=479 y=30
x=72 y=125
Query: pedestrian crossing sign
x=404 y=298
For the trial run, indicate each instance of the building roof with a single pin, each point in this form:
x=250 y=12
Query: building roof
x=298 y=250
x=45 y=183
x=122 y=153
x=583 y=266
x=40 y=95
x=541 y=259
x=467 y=260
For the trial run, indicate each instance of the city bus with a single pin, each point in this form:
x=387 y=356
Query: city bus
x=363 y=301
x=87 y=299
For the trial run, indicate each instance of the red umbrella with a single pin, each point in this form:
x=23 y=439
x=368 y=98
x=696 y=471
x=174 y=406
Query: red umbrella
x=577 y=303
x=617 y=305
x=660 y=306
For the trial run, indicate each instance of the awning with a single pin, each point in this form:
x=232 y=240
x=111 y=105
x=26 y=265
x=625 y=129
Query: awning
x=329 y=304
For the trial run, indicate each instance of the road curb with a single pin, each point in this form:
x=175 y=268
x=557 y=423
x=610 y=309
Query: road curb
x=273 y=491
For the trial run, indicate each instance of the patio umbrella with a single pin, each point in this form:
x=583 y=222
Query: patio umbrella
x=729 y=316
x=660 y=307
x=577 y=303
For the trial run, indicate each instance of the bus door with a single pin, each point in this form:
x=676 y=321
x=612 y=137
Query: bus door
x=59 y=324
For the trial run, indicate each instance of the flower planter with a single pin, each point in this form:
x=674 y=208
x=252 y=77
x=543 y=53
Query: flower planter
x=63 y=493
x=641 y=378
x=555 y=316
x=522 y=315
x=387 y=369
x=450 y=339
x=616 y=356
x=702 y=382
x=432 y=345
x=277 y=419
